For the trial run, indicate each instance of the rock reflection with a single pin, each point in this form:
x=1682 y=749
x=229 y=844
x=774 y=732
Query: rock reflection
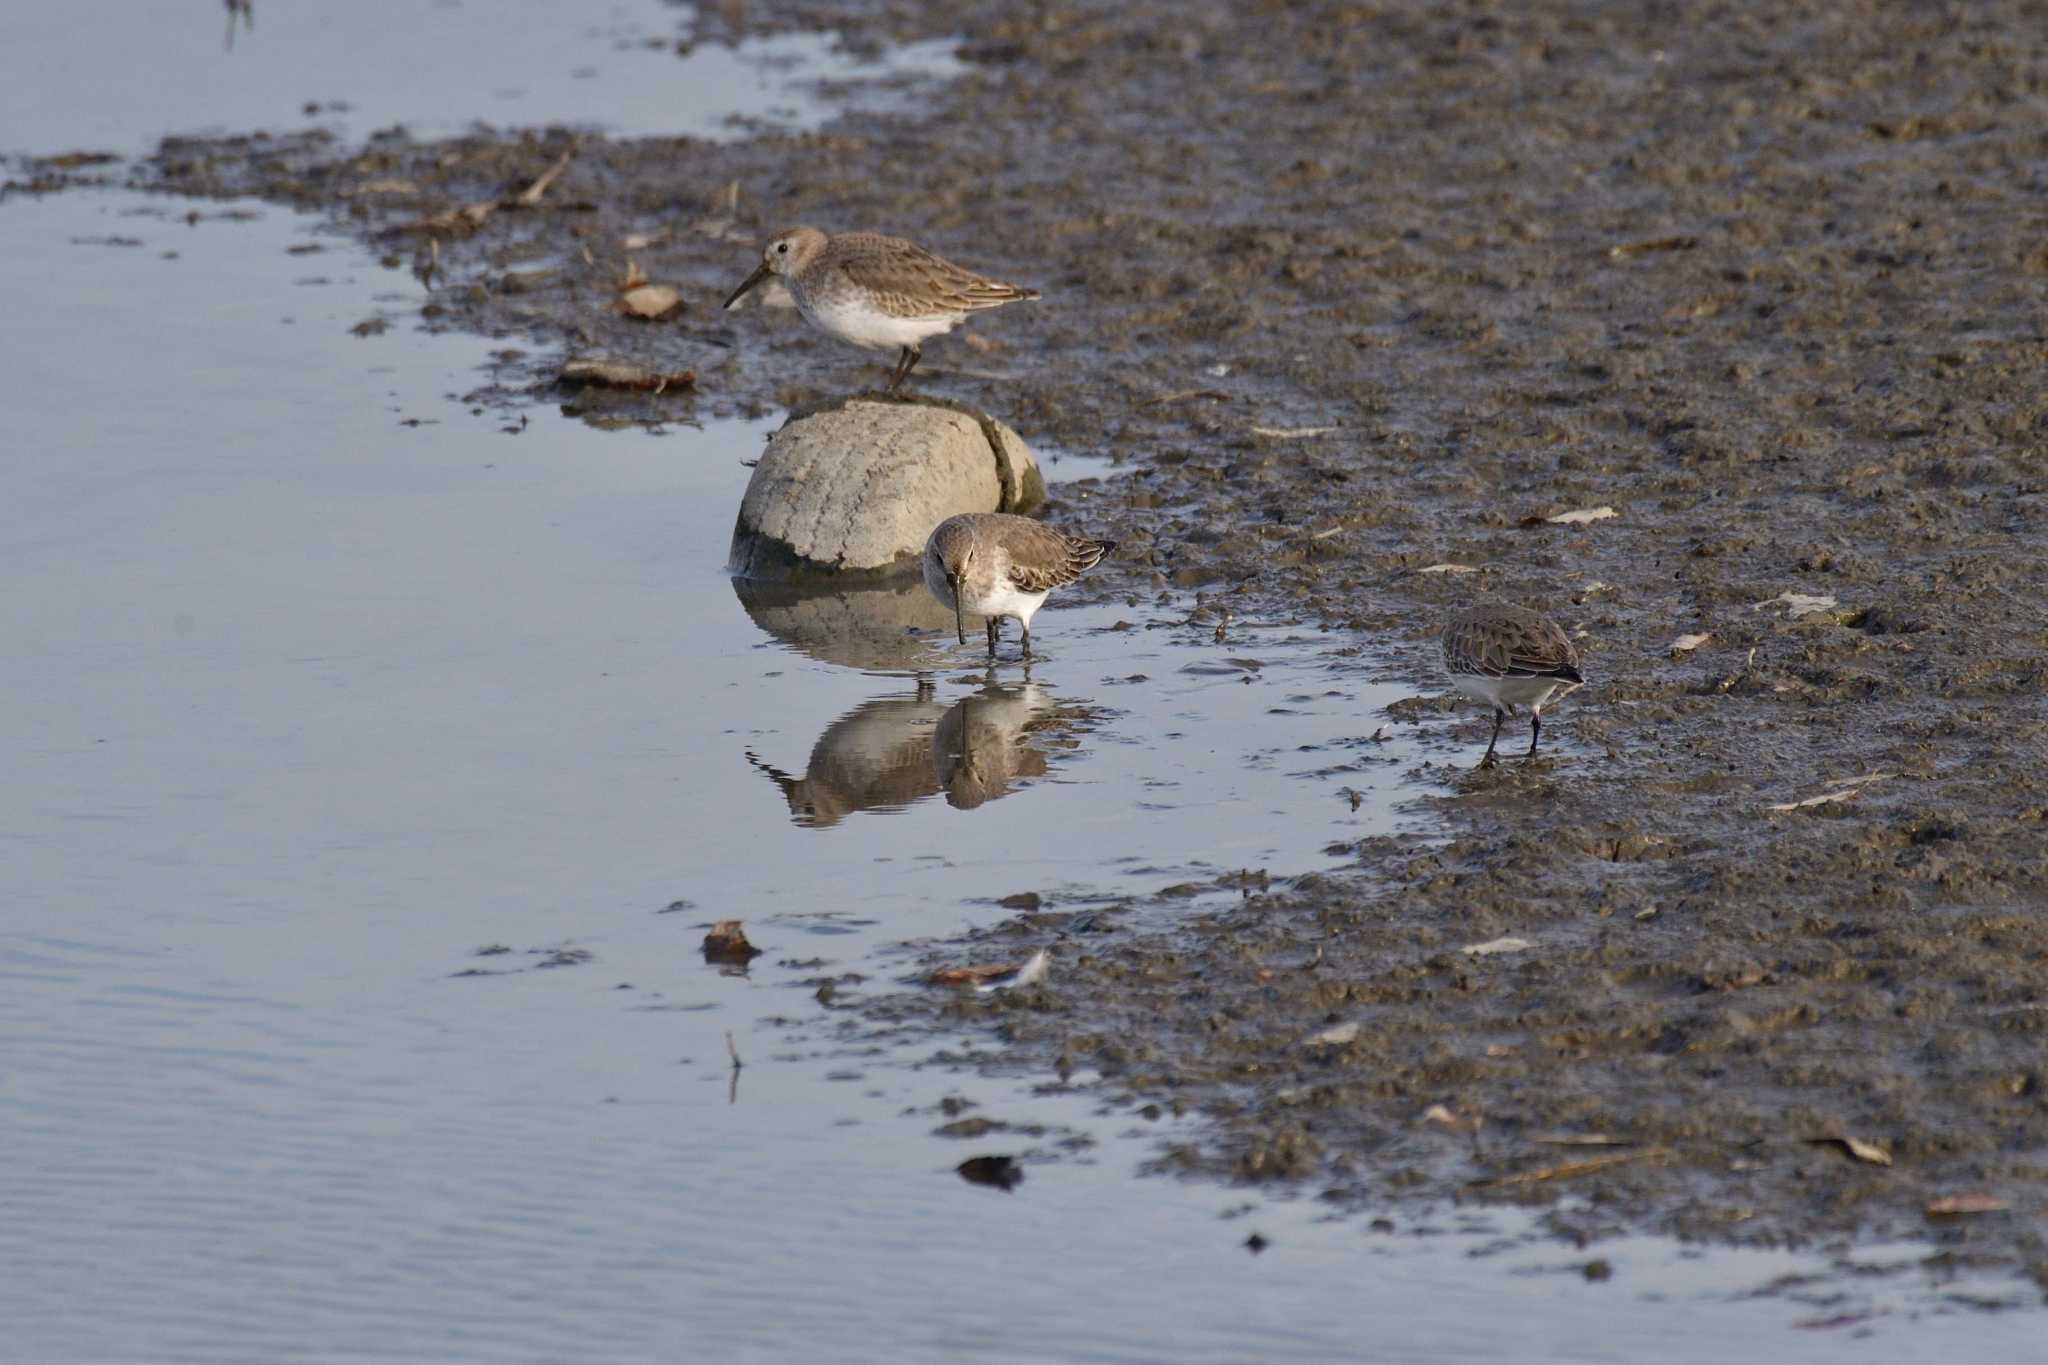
x=892 y=751
x=874 y=626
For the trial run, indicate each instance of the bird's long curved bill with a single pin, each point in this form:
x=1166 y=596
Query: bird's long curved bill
x=959 y=611
x=761 y=272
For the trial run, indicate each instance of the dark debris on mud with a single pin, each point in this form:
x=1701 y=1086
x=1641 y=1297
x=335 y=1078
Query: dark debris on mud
x=1354 y=292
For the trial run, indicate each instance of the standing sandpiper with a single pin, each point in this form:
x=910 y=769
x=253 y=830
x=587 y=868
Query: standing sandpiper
x=994 y=564
x=876 y=291
x=1509 y=657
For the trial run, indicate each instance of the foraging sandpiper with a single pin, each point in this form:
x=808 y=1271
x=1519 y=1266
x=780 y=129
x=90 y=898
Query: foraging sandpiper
x=1509 y=657
x=876 y=291
x=994 y=564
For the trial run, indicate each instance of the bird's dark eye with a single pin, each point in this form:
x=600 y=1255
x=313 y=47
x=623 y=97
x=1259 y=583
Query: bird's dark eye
x=782 y=248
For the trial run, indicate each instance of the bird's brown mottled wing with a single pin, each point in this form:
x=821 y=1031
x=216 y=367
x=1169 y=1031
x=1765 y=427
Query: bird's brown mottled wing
x=1509 y=644
x=1042 y=558
x=908 y=281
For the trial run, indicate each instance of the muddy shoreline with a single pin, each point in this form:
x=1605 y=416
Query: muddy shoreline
x=1356 y=292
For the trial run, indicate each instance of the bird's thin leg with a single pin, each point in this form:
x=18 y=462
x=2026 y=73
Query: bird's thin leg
x=905 y=363
x=1535 y=731
x=1490 y=760
x=995 y=633
x=1026 y=627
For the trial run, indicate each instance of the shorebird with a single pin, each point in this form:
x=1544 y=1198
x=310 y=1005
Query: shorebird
x=876 y=291
x=1509 y=657
x=994 y=564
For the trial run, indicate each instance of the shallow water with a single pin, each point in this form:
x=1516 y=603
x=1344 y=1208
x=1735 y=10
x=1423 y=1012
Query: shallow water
x=436 y=67
x=309 y=704
x=319 y=682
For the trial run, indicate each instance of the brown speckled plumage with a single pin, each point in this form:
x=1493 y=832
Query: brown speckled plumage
x=1509 y=642
x=902 y=278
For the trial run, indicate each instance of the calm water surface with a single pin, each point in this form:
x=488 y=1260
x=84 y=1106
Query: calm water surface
x=319 y=682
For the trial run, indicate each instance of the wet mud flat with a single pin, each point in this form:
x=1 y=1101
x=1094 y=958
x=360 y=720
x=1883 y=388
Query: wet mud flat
x=1363 y=299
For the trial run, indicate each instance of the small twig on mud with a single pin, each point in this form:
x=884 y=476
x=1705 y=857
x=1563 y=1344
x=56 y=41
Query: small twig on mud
x=1567 y=1170
x=733 y=1051
x=531 y=195
x=1739 y=674
x=1183 y=395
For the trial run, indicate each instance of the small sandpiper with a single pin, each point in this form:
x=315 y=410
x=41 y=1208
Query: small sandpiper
x=1509 y=657
x=876 y=291
x=994 y=564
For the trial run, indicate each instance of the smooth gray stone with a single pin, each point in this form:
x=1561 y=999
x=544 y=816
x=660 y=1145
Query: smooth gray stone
x=857 y=486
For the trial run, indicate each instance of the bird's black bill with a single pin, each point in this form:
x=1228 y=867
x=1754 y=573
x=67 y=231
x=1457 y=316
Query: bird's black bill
x=761 y=272
x=959 y=611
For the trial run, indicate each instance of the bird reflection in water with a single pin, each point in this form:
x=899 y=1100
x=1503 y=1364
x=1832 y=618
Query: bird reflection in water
x=891 y=751
x=982 y=743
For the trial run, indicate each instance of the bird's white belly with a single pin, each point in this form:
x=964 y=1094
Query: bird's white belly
x=1005 y=600
x=853 y=319
x=1506 y=693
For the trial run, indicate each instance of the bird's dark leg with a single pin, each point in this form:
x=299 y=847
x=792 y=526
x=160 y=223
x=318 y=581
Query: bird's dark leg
x=905 y=363
x=995 y=633
x=1026 y=625
x=1535 y=731
x=1490 y=760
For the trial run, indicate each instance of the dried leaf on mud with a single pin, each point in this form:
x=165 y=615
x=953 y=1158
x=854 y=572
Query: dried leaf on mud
x=997 y=976
x=1446 y=1117
x=1685 y=644
x=1863 y=1151
x=1797 y=603
x=1957 y=1205
x=1497 y=945
x=615 y=374
x=1448 y=568
x=1335 y=1036
x=1580 y=516
x=727 y=942
x=968 y=976
x=1628 y=251
x=1849 y=791
x=650 y=301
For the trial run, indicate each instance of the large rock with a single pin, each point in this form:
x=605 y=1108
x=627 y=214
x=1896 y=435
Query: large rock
x=856 y=486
